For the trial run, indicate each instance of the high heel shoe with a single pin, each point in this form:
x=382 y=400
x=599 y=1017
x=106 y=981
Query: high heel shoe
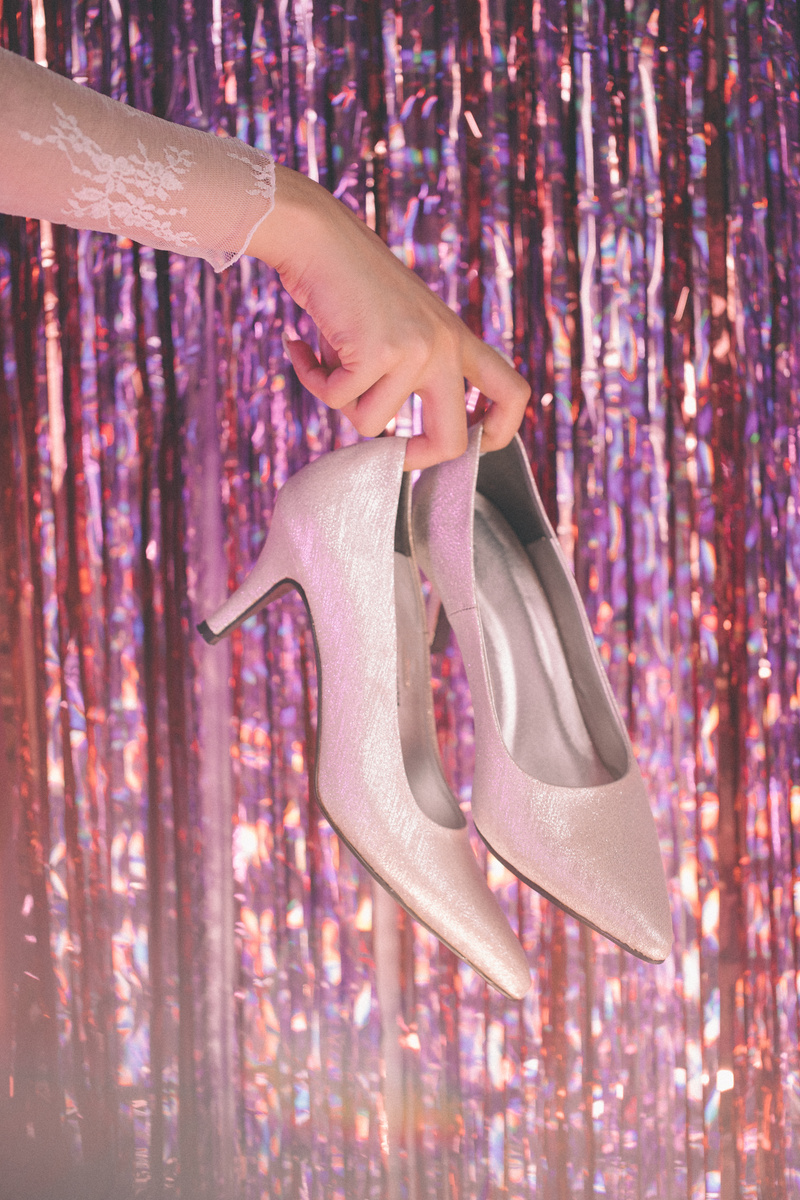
x=557 y=795
x=341 y=536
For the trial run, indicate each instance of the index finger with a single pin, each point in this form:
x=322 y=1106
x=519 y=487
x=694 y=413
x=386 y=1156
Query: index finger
x=335 y=385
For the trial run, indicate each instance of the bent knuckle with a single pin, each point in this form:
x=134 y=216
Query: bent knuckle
x=418 y=346
x=367 y=424
x=523 y=391
x=333 y=400
x=385 y=358
x=338 y=395
x=446 y=343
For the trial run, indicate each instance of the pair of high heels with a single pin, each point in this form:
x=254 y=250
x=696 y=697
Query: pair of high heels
x=557 y=795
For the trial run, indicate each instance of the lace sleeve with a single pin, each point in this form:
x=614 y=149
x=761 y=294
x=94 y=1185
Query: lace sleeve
x=71 y=155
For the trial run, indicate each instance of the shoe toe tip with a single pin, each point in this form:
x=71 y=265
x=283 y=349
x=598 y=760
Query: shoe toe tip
x=514 y=976
x=655 y=942
x=661 y=948
x=503 y=964
x=519 y=986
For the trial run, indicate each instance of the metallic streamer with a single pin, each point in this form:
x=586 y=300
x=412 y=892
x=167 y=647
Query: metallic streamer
x=200 y=993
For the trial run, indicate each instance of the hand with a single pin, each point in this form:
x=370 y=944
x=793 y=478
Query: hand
x=383 y=333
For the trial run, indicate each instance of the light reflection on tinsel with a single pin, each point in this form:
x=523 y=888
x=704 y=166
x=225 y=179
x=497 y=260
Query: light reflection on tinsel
x=610 y=193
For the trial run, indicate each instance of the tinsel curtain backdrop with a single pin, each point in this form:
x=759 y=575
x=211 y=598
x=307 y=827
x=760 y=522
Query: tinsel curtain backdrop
x=201 y=993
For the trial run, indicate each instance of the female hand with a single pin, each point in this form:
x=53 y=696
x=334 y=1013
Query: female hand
x=383 y=333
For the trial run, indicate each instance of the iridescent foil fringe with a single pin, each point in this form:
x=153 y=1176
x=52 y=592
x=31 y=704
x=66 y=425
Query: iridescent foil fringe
x=200 y=992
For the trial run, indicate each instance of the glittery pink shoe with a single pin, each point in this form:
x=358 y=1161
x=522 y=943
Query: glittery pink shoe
x=341 y=536
x=557 y=794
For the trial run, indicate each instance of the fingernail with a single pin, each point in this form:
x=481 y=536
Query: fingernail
x=286 y=338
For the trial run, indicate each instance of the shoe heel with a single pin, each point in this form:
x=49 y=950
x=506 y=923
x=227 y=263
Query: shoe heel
x=271 y=577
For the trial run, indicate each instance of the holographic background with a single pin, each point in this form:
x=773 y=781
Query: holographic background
x=200 y=992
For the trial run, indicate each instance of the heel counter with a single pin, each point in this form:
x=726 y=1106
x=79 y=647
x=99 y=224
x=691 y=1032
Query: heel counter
x=346 y=496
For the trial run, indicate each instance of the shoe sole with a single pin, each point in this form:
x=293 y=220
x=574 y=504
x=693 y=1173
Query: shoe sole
x=279 y=590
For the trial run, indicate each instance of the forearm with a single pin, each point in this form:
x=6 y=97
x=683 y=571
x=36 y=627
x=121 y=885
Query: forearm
x=73 y=156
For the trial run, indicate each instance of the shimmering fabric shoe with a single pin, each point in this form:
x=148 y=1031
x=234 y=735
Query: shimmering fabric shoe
x=340 y=535
x=557 y=794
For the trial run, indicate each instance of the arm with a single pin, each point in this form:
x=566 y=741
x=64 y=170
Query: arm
x=71 y=155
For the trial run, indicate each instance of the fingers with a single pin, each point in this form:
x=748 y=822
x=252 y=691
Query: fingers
x=504 y=386
x=328 y=355
x=444 y=423
x=370 y=402
x=374 y=409
x=331 y=382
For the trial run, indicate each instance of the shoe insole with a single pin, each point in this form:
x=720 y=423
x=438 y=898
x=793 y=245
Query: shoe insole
x=540 y=718
x=415 y=702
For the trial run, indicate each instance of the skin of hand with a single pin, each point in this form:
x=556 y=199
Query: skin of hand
x=383 y=332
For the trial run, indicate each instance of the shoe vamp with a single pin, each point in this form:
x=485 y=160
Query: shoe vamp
x=595 y=851
x=429 y=868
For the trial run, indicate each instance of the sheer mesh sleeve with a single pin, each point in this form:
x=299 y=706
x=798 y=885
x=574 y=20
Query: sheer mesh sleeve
x=71 y=155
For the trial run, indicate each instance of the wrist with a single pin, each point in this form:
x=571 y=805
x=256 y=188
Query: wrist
x=295 y=220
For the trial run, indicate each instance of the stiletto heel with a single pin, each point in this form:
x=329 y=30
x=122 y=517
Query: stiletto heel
x=340 y=537
x=557 y=794
x=271 y=578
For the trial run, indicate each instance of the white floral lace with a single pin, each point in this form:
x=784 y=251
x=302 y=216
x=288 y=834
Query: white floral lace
x=263 y=175
x=123 y=188
x=129 y=173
